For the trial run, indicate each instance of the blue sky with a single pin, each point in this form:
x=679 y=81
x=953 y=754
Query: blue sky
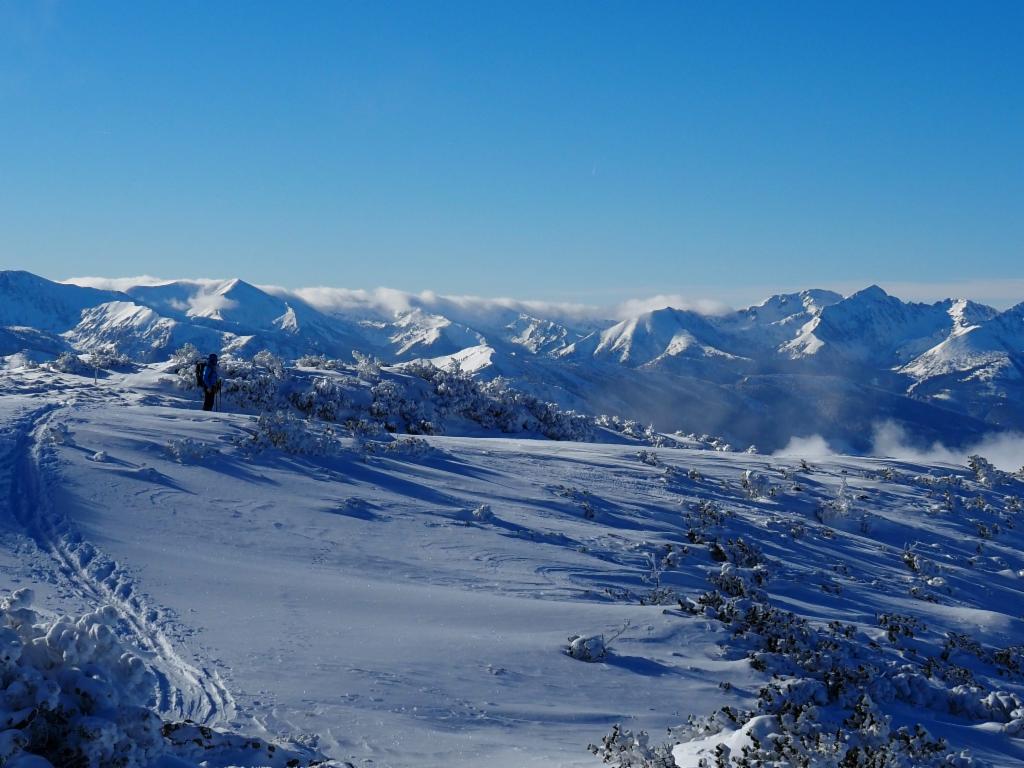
x=583 y=151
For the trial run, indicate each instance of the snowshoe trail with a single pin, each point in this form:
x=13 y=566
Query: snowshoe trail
x=185 y=690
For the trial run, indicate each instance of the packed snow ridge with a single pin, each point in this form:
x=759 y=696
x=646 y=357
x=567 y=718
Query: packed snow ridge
x=813 y=363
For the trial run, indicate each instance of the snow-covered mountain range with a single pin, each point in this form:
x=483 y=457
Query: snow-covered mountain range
x=813 y=362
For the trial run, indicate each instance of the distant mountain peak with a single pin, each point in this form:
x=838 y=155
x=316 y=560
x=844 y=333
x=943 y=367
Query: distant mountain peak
x=873 y=291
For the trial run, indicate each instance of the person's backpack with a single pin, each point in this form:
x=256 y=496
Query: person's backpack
x=200 y=372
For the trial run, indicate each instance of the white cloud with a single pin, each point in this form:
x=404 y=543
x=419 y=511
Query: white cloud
x=389 y=301
x=890 y=440
x=115 y=283
x=203 y=304
x=1000 y=293
x=1005 y=450
x=810 y=447
x=634 y=307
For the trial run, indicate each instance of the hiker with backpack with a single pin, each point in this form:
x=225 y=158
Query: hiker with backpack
x=208 y=377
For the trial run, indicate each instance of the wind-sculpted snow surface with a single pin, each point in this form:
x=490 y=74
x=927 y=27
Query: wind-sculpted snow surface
x=478 y=599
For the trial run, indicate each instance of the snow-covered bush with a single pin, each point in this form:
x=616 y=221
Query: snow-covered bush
x=627 y=427
x=406 y=448
x=399 y=412
x=187 y=450
x=483 y=513
x=593 y=648
x=513 y=411
x=627 y=749
x=259 y=384
x=985 y=473
x=650 y=458
x=756 y=485
x=431 y=397
x=69 y=362
x=837 y=508
x=288 y=433
x=72 y=693
x=319 y=362
x=327 y=398
x=269 y=361
x=109 y=359
x=417 y=398
x=185 y=355
x=367 y=367
x=587 y=647
x=254 y=385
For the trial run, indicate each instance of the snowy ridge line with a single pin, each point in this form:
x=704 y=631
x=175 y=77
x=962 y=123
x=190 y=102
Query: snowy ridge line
x=184 y=691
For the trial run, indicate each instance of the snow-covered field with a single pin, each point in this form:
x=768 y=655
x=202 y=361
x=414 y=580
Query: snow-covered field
x=402 y=601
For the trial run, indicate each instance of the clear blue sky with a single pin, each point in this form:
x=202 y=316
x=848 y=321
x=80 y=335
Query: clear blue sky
x=583 y=151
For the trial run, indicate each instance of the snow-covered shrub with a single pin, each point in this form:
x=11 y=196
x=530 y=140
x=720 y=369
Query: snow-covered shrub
x=367 y=366
x=109 y=359
x=650 y=458
x=483 y=513
x=704 y=519
x=406 y=448
x=627 y=427
x=659 y=561
x=738 y=552
x=399 y=412
x=288 y=433
x=592 y=648
x=513 y=411
x=257 y=385
x=319 y=362
x=755 y=485
x=627 y=749
x=837 y=508
x=327 y=398
x=69 y=362
x=587 y=647
x=897 y=625
x=738 y=582
x=183 y=366
x=201 y=745
x=270 y=361
x=185 y=356
x=73 y=694
x=254 y=385
x=187 y=450
x=432 y=396
x=985 y=473
x=794 y=732
x=364 y=428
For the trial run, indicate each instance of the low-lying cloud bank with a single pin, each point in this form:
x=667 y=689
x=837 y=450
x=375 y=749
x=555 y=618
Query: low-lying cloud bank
x=890 y=440
x=390 y=301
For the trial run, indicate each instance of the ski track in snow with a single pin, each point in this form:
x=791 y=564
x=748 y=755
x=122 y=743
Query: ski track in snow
x=185 y=691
